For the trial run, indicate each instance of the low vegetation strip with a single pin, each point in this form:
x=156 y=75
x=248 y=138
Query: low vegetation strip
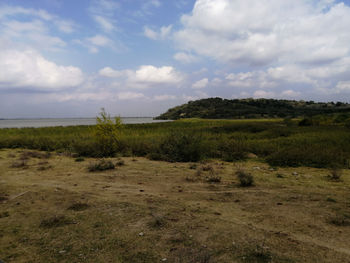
x=279 y=142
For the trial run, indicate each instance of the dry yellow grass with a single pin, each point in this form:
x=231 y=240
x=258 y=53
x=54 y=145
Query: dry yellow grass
x=54 y=210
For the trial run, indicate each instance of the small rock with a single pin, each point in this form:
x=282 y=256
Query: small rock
x=164 y=259
x=191 y=236
x=62 y=251
x=141 y=234
x=279 y=204
x=295 y=173
x=142 y=190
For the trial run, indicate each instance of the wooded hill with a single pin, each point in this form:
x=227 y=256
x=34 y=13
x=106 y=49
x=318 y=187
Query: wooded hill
x=217 y=108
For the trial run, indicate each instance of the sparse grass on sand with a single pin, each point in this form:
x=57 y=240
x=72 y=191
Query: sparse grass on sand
x=149 y=211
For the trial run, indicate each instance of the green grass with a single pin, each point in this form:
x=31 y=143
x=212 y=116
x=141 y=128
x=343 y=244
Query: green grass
x=280 y=143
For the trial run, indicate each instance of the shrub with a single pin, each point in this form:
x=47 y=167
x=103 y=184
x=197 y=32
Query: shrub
x=120 y=162
x=55 y=221
x=245 y=179
x=181 y=147
x=106 y=134
x=233 y=150
x=101 y=165
x=335 y=174
x=213 y=177
x=78 y=206
x=340 y=220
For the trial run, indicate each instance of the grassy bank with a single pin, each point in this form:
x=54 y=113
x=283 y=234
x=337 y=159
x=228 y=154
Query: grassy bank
x=53 y=209
x=280 y=143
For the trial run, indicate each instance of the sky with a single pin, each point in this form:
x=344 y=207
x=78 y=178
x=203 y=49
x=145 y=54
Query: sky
x=64 y=58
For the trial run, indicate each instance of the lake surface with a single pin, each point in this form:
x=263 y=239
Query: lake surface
x=35 y=123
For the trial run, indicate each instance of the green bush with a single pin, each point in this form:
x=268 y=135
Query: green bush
x=181 y=147
x=101 y=165
x=245 y=179
x=106 y=134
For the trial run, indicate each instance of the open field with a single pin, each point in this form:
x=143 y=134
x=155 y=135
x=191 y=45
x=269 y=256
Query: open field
x=54 y=210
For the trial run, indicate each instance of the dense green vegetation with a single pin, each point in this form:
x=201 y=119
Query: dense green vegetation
x=323 y=142
x=217 y=108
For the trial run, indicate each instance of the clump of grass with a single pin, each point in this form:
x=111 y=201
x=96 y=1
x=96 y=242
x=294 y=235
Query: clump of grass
x=20 y=164
x=78 y=206
x=193 y=166
x=207 y=168
x=101 y=165
x=213 y=177
x=4 y=214
x=80 y=159
x=32 y=154
x=120 y=162
x=43 y=168
x=330 y=199
x=245 y=178
x=260 y=254
x=55 y=221
x=335 y=174
x=157 y=222
x=340 y=220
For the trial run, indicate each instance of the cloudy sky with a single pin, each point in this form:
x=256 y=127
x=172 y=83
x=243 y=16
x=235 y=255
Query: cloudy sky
x=64 y=58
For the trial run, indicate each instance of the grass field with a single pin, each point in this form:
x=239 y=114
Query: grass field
x=279 y=142
x=52 y=209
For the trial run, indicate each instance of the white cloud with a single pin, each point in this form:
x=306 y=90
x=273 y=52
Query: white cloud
x=290 y=94
x=267 y=31
x=111 y=73
x=146 y=76
x=30 y=69
x=152 y=74
x=185 y=57
x=263 y=94
x=164 y=97
x=130 y=95
x=342 y=87
x=162 y=33
x=105 y=23
x=200 y=84
x=99 y=40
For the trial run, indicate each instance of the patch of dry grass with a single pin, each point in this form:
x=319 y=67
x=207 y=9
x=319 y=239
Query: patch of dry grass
x=147 y=211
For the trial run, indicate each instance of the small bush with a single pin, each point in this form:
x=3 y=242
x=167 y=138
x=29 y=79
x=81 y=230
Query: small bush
x=101 y=165
x=340 y=220
x=55 y=221
x=335 y=174
x=120 y=162
x=78 y=206
x=20 y=164
x=213 y=177
x=181 y=147
x=245 y=179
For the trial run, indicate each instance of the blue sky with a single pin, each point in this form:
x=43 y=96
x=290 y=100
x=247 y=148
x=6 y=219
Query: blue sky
x=63 y=58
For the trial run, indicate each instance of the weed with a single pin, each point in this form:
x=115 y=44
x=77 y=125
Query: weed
x=330 y=199
x=335 y=174
x=20 y=164
x=213 y=177
x=32 y=154
x=55 y=221
x=340 y=220
x=193 y=166
x=4 y=214
x=80 y=159
x=245 y=178
x=78 y=206
x=120 y=162
x=101 y=165
x=157 y=222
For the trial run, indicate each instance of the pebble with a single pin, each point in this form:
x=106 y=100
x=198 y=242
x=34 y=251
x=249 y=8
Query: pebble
x=141 y=234
x=62 y=251
x=164 y=259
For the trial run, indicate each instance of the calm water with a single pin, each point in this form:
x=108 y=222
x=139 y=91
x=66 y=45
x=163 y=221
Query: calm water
x=18 y=123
